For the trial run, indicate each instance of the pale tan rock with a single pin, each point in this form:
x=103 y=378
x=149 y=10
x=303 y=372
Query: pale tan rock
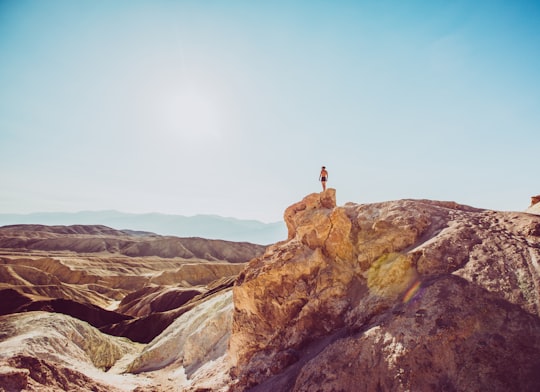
x=534 y=208
x=41 y=351
x=65 y=338
x=338 y=243
x=198 y=336
x=299 y=214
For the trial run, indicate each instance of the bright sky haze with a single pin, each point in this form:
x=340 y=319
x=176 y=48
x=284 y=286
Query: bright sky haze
x=232 y=107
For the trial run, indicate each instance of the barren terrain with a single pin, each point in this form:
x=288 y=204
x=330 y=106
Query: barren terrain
x=80 y=302
x=406 y=295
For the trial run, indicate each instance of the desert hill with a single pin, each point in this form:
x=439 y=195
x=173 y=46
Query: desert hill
x=102 y=239
x=118 y=281
x=406 y=295
x=44 y=351
x=205 y=226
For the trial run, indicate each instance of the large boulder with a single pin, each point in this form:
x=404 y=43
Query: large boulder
x=395 y=296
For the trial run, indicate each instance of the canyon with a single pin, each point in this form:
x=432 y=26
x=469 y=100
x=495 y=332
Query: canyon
x=405 y=295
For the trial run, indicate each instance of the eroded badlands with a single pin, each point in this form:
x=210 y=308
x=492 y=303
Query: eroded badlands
x=407 y=295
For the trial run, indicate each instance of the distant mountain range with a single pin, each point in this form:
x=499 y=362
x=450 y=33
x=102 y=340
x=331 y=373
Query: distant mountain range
x=204 y=226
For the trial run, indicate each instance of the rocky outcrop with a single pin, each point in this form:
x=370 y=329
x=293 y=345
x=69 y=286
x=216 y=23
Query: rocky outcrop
x=395 y=296
x=47 y=351
x=31 y=374
x=534 y=208
x=197 y=336
x=25 y=332
x=425 y=346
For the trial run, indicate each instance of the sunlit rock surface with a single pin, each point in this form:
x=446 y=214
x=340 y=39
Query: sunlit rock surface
x=48 y=351
x=197 y=336
x=397 y=296
x=534 y=208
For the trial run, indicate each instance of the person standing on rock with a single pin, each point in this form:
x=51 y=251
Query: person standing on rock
x=323 y=177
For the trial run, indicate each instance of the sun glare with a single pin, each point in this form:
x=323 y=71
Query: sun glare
x=189 y=116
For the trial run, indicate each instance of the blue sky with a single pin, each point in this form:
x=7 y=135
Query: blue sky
x=231 y=107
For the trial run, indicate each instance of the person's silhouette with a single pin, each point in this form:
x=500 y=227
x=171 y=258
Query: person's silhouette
x=323 y=177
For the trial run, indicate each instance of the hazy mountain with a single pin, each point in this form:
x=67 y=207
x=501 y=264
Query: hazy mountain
x=205 y=226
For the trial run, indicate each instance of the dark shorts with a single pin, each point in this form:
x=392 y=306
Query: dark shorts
x=323 y=179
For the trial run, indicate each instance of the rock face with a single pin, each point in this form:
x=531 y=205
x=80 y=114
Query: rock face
x=410 y=295
x=194 y=338
x=534 y=208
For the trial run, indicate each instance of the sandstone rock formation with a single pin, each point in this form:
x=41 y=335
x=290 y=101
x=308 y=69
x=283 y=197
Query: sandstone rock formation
x=410 y=295
x=534 y=208
x=46 y=351
x=194 y=338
